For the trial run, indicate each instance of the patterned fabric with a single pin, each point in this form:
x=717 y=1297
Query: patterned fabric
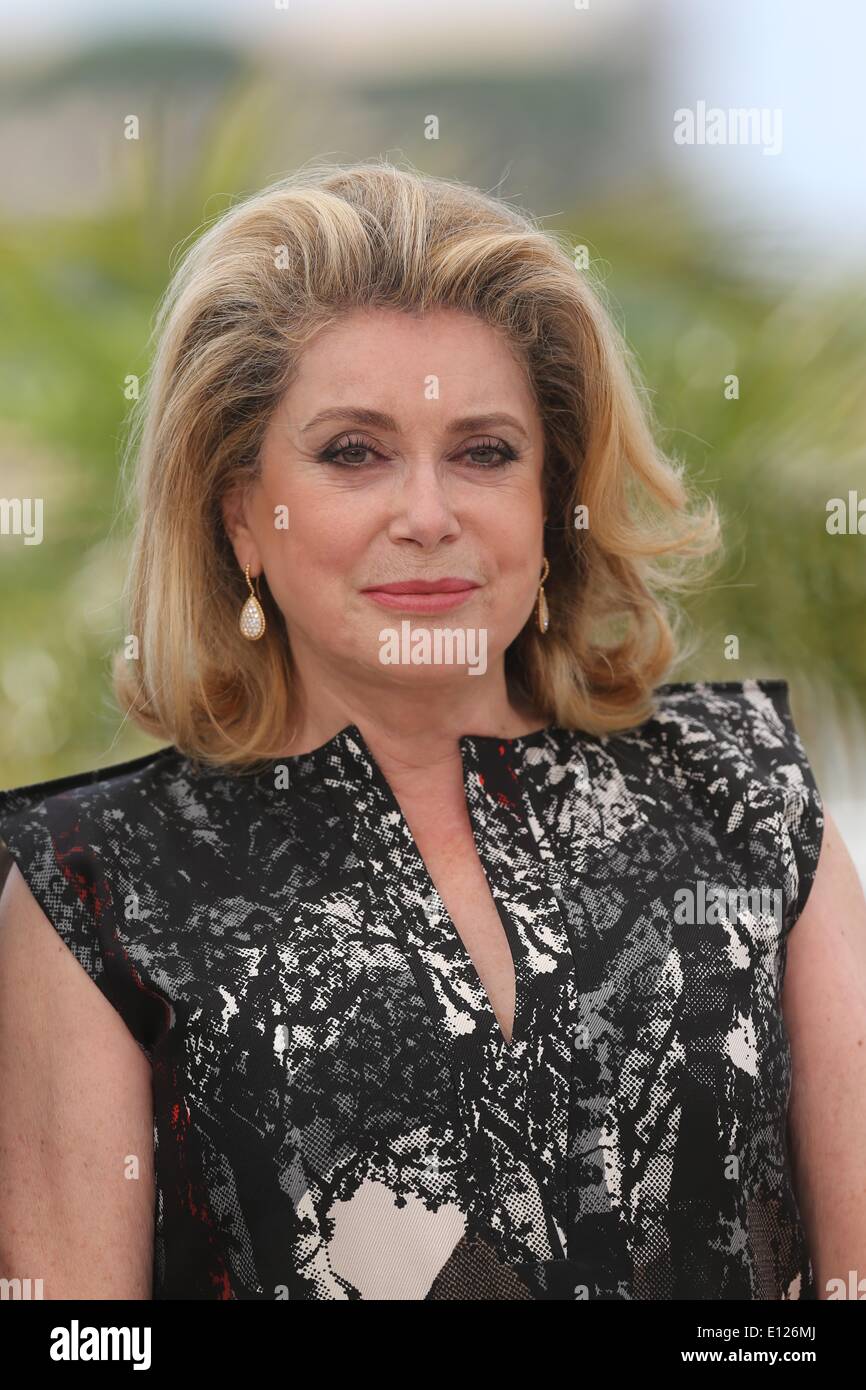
x=337 y=1114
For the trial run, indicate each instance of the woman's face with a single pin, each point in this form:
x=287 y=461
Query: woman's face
x=408 y=448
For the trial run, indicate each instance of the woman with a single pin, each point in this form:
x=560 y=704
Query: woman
x=442 y=945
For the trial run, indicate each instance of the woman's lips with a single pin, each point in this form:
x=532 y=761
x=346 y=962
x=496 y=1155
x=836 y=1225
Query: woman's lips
x=423 y=596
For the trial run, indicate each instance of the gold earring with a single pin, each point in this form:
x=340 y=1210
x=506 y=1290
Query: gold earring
x=542 y=614
x=252 y=619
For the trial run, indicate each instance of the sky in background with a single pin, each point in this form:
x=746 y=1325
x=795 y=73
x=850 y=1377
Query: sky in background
x=803 y=57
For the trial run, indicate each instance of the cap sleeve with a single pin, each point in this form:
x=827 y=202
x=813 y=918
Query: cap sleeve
x=736 y=745
x=54 y=832
x=803 y=831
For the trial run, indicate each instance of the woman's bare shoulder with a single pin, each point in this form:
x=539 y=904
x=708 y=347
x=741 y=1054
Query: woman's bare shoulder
x=76 y=1125
x=824 y=1004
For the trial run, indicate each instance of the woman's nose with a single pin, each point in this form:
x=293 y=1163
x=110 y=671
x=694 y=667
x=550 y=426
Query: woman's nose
x=423 y=507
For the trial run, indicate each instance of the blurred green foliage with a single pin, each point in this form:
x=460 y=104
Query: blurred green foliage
x=77 y=298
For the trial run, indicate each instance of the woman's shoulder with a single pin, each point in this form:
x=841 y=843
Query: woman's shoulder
x=726 y=738
x=101 y=811
x=92 y=847
x=73 y=837
x=165 y=799
x=732 y=750
x=750 y=702
x=711 y=726
x=113 y=787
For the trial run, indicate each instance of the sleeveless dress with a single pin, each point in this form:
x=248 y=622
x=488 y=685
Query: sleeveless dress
x=337 y=1114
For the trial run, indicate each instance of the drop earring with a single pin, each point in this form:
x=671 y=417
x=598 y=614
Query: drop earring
x=252 y=619
x=541 y=613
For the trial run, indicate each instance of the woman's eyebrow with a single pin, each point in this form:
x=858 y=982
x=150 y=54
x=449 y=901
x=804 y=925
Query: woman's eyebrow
x=375 y=419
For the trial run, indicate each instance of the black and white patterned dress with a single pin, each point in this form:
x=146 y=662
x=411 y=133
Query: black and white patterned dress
x=336 y=1112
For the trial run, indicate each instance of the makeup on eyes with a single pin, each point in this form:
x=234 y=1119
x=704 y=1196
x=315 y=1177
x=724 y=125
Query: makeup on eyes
x=346 y=443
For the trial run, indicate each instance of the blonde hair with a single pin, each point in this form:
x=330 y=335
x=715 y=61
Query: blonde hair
x=245 y=299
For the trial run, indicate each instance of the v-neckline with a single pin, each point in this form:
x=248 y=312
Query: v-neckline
x=454 y=992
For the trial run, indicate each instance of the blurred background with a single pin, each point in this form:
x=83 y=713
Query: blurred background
x=742 y=259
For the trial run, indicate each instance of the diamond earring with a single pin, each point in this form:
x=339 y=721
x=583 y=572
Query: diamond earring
x=252 y=619
x=542 y=615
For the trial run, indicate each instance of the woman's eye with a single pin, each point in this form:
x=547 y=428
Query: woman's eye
x=347 y=446
x=502 y=454
x=348 y=452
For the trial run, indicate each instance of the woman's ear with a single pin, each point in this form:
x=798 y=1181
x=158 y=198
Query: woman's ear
x=233 y=509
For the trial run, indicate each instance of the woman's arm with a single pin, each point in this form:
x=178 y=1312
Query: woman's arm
x=77 y=1102
x=824 y=1006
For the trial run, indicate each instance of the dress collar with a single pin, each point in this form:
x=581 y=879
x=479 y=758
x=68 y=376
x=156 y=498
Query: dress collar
x=350 y=742
x=342 y=782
